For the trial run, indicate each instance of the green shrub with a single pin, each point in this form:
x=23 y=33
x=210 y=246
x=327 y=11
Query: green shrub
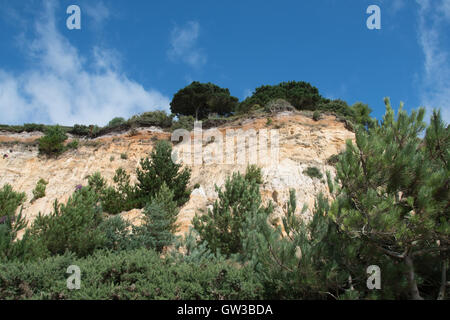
x=70 y=227
x=301 y=95
x=116 y=122
x=316 y=115
x=128 y=275
x=114 y=199
x=123 y=156
x=254 y=174
x=313 y=172
x=222 y=227
x=10 y=200
x=201 y=99
x=51 y=144
x=30 y=127
x=184 y=122
x=80 y=130
x=118 y=234
x=39 y=190
x=154 y=118
x=73 y=144
x=97 y=183
x=156 y=232
x=11 y=223
x=160 y=169
x=10 y=247
x=338 y=107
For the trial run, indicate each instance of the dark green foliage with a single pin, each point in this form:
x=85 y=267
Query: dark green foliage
x=154 y=118
x=80 y=130
x=338 y=106
x=222 y=227
x=73 y=144
x=160 y=169
x=10 y=223
x=313 y=172
x=393 y=192
x=313 y=259
x=114 y=199
x=123 y=156
x=39 y=190
x=118 y=234
x=361 y=116
x=316 y=115
x=332 y=160
x=200 y=99
x=9 y=227
x=10 y=200
x=184 y=122
x=254 y=174
x=155 y=233
x=302 y=95
x=30 y=127
x=116 y=122
x=128 y=275
x=70 y=227
x=51 y=144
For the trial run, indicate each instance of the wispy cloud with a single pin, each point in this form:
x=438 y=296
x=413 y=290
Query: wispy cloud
x=61 y=87
x=434 y=22
x=183 y=45
x=97 y=11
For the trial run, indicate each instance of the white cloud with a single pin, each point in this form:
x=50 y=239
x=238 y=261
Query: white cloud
x=434 y=20
x=98 y=12
x=61 y=88
x=183 y=45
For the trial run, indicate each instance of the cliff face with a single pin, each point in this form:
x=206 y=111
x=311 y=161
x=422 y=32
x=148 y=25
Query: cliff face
x=303 y=142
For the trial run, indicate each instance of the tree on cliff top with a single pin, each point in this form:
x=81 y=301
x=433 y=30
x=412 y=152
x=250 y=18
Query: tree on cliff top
x=200 y=99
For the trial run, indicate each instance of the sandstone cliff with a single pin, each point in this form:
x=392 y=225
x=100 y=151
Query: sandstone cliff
x=303 y=142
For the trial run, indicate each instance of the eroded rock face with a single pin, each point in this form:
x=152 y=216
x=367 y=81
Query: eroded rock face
x=303 y=142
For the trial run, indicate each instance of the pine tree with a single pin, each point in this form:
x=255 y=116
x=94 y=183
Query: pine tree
x=70 y=227
x=160 y=216
x=301 y=259
x=221 y=227
x=393 y=190
x=161 y=169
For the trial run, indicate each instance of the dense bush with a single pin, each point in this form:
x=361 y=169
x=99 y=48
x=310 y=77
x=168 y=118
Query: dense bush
x=200 y=99
x=10 y=200
x=302 y=95
x=160 y=169
x=39 y=190
x=154 y=118
x=316 y=115
x=10 y=223
x=117 y=198
x=184 y=122
x=70 y=227
x=313 y=172
x=128 y=275
x=222 y=227
x=83 y=131
x=116 y=122
x=51 y=144
x=392 y=189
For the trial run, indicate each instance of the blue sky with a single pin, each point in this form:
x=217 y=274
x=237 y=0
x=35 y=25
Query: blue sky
x=132 y=56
